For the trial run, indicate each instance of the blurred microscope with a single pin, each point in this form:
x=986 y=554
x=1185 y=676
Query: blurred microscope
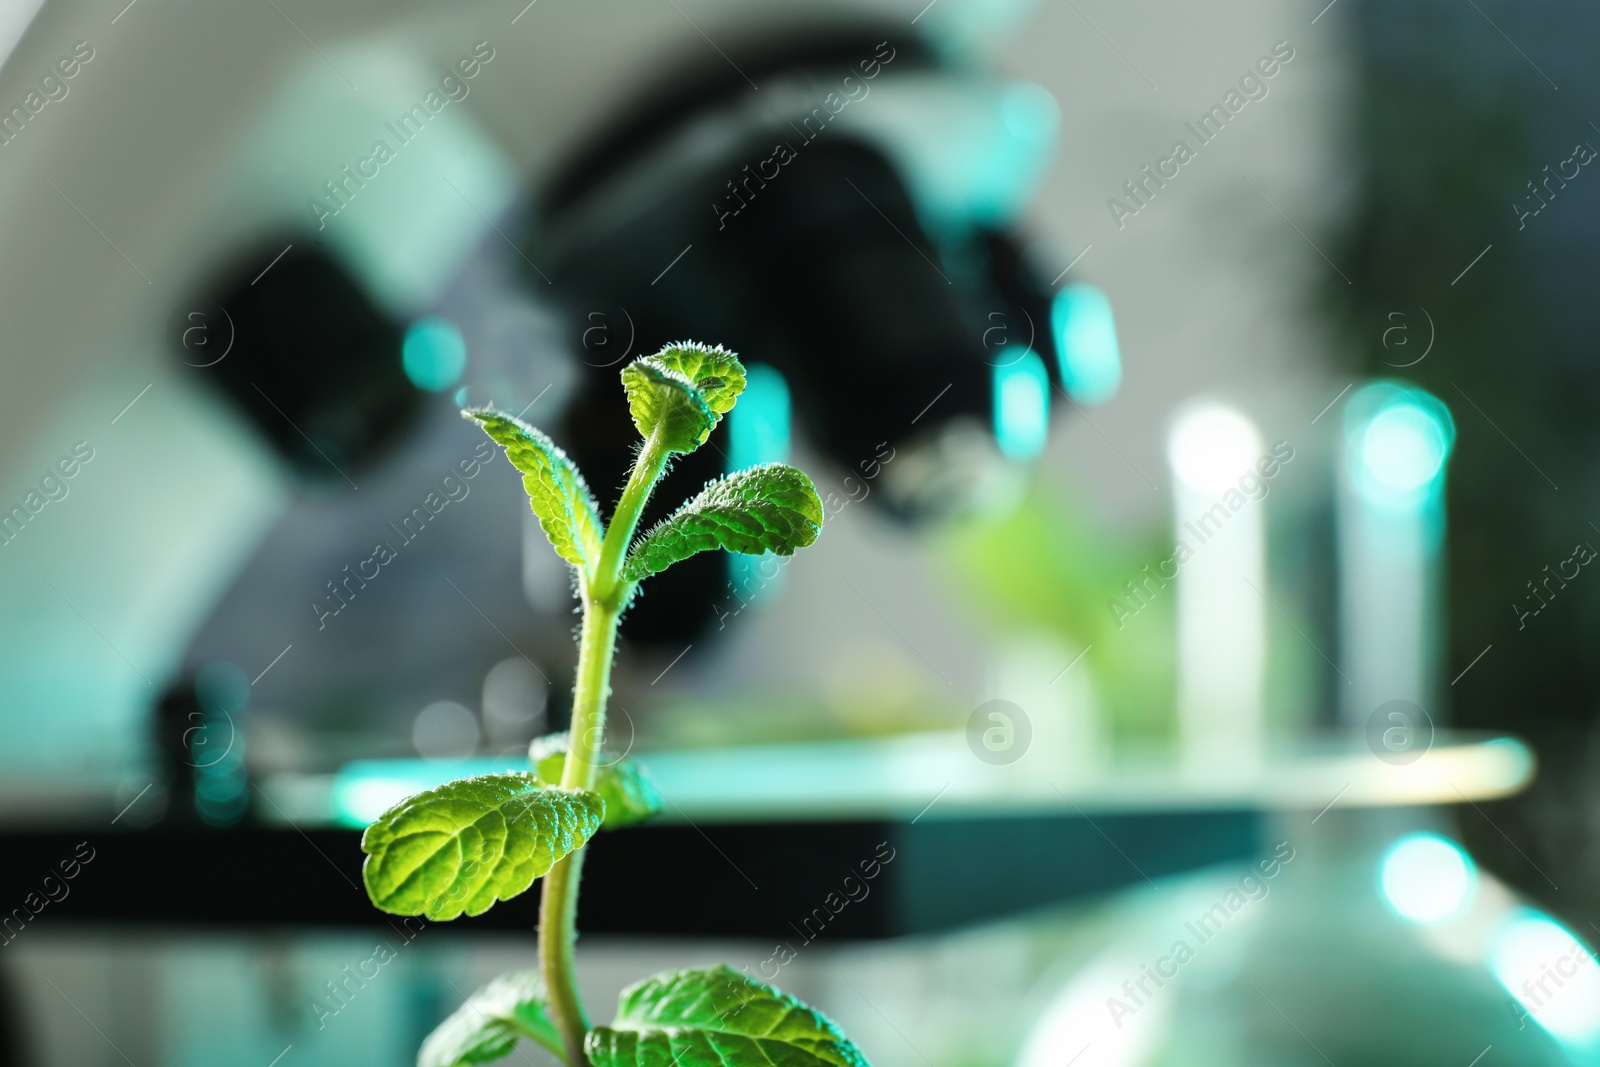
x=831 y=195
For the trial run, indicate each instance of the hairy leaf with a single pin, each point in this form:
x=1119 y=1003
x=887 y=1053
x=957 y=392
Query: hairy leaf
x=717 y=1017
x=771 y=508
x=487 y=1026
x=663 y=401
x=682 y=392
x=630 y=795
x=465 y=844
x=557 y=492
x=714 y=371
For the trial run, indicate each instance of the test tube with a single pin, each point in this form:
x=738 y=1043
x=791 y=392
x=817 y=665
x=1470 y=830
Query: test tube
x=1391 y=531
x=1219 y=560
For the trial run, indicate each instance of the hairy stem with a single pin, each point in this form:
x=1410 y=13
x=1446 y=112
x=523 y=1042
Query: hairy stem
x=558 y=901
x=608 y=586
x=558 y=912
x=596 y=642
x=605 y=596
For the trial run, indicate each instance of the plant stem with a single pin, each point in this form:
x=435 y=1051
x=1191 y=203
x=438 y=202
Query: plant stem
x=607 y=586
x=596 y=642
x=558 y=900
x=558 y=912
x=605 y=596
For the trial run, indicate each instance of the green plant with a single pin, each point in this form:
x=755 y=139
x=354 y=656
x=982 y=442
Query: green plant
x=464 y=845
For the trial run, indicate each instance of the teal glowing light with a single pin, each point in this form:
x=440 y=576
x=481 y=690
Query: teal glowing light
x=359 y=801
x=214 y=740
x=365 y=789
x=758 y=432
x=1022 y=407
x=1552 y=976
x=1086 y=343
x=1030 y=113
x=1427 y=879
x=1404 y=447
x=1397 y=438
x=434 y=354
x=758 y=426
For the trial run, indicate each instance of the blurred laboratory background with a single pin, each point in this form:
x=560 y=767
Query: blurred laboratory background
x=1198 y=645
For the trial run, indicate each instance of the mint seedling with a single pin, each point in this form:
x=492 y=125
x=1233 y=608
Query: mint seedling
x=461 y=847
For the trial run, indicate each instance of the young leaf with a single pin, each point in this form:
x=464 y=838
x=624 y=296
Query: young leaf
x=630 y=795
x=557 y=492
x=714 y=371
x=488 y=1024
x=463 y=845
x=664 y=400
x=717 y=1017
x=771 y=508
x=682 y=391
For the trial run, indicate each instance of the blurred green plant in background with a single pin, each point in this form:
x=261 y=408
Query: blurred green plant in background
x=1047 y=567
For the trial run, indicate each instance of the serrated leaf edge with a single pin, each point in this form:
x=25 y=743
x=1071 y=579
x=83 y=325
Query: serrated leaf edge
x=474 y=1003
x=705 y=350
x=657 y=373
x=584 y=519
x=396 y=811
x=694 y=505
x=847 y=1049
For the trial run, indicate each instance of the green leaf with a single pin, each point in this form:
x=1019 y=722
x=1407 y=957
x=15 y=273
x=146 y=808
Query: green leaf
x=630 y=795
x=682 y=392
x=771 y=508
x=717 y=1017
x=557 y=492
x=463 y=845
x=714 y=371
x=488 y=1024
x=664 y=401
